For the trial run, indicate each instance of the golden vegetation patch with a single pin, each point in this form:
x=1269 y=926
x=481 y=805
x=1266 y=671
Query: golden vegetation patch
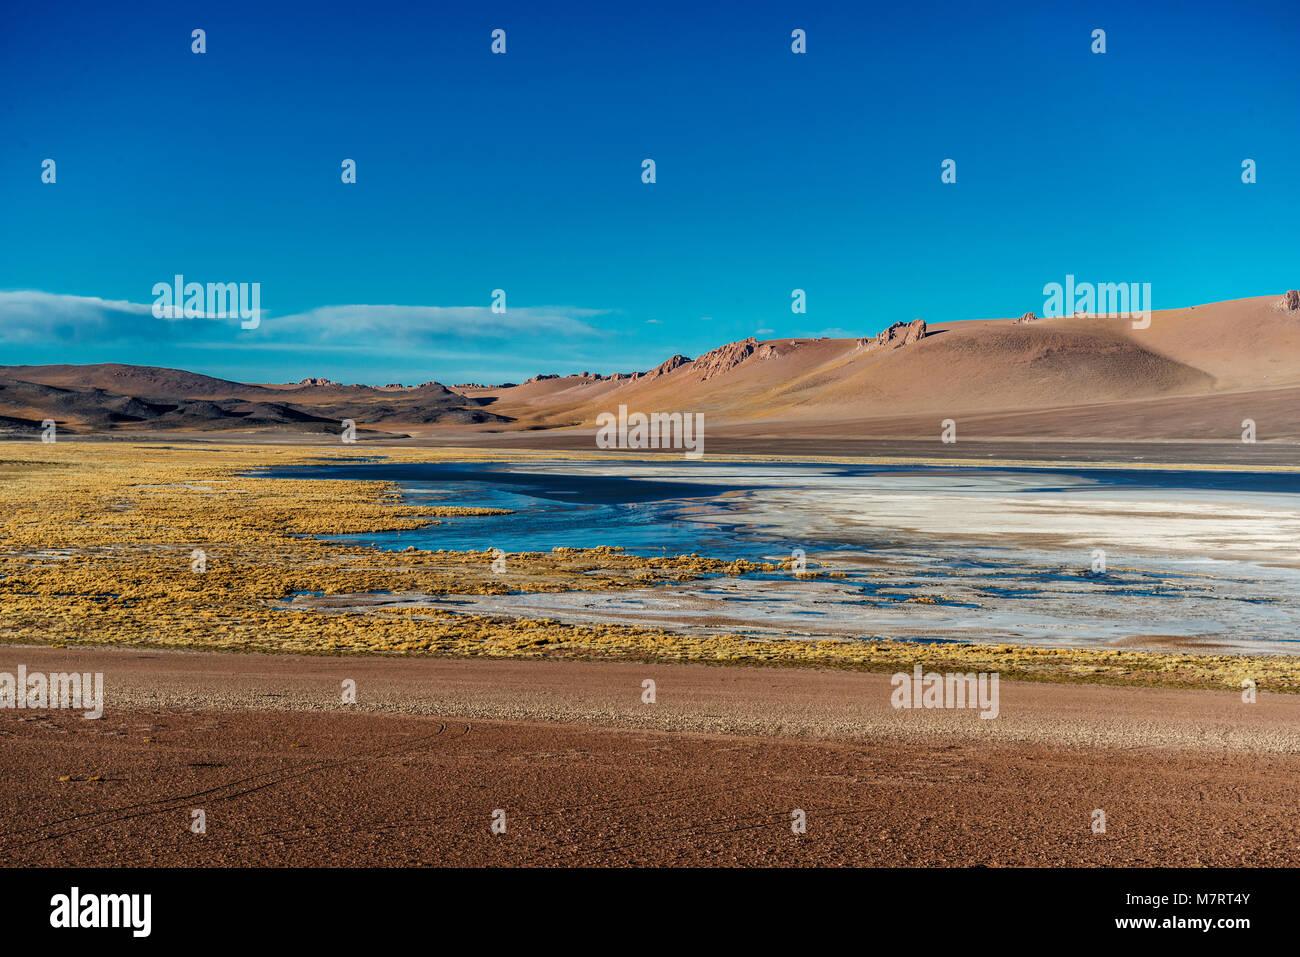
x=97 y=543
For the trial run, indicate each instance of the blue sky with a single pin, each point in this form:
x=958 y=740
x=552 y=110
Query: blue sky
x=522 y=172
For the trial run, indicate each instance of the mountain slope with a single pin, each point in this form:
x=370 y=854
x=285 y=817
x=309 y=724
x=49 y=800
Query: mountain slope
x=1193 y=373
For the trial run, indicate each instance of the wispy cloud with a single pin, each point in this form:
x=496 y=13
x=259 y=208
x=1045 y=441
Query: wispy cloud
x=33 y=317
x=29 y=316
x=404 y=324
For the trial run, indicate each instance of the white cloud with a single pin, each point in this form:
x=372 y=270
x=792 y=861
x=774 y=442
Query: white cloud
x=32 y=317
x=400 y=324
x=29 y=316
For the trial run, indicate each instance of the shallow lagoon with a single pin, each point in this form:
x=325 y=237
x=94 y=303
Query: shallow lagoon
x=1198 y=560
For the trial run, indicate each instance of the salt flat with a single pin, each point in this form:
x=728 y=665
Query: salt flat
x=1152 y=559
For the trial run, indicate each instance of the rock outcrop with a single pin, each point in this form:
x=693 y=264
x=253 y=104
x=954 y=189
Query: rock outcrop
x=665 y=367
x=899 y=334
x=723 y=359
x=1027 y=317
x=398 y=387
x=1291 y=301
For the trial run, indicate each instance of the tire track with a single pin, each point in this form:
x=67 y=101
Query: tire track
x=176 y=802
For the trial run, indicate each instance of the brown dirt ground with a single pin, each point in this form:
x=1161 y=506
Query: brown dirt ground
x=589 y=775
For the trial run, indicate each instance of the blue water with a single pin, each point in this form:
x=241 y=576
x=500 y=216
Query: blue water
x=573 y=511
x=573 y=505
x=993 y=589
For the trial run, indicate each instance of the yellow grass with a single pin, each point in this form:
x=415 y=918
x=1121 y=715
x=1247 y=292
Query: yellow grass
x=96 y=542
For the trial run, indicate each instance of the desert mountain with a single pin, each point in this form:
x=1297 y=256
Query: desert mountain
x=115 y=397
x=1192 y=373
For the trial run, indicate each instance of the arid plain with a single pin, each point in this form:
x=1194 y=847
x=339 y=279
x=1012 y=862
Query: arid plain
x=443 y=732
